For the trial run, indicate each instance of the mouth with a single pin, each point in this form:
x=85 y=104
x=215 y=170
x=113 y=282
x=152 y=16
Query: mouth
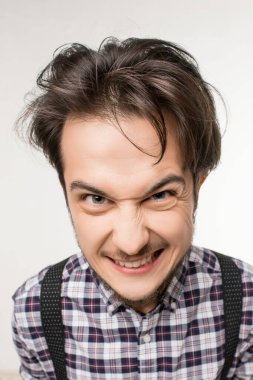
x=137 y=264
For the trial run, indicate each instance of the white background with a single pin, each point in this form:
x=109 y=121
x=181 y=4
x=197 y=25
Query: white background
x=34 y=225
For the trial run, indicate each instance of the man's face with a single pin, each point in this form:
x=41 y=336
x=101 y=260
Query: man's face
x=133 y=218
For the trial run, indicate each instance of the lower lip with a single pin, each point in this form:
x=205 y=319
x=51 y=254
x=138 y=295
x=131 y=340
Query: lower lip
x=141 y=270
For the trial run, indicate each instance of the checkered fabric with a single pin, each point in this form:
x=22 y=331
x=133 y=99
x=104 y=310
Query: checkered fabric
x=183 y=338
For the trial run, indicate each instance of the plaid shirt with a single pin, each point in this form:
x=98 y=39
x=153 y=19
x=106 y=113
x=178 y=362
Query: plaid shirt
x=183 y=338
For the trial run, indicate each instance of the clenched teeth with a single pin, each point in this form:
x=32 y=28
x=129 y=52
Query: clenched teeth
x=135 y=264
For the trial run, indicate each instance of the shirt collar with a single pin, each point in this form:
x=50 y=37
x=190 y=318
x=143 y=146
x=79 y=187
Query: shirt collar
x=108 y=296
x=176 y=285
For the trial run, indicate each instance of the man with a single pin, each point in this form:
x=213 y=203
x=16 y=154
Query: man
x=132 y=132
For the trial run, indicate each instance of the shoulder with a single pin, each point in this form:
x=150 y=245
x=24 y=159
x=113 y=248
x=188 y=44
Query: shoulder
x=27 y=296
x=246 y=270
x=205 y=266
x=246 y=331
x=28 y=334
x=207 y=260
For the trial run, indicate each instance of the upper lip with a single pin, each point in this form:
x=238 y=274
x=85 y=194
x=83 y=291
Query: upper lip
x=136 y=259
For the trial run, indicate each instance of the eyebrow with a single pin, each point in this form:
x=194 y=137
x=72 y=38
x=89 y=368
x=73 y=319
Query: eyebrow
x=80 y=185
x=166 y=181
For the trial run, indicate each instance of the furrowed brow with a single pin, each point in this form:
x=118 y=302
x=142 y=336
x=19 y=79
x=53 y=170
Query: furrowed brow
x=165 y=181
x=80 y=185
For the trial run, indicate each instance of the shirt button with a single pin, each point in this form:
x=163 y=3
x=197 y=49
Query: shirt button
x=173 y=305
x=110 y=309
x=146 y=338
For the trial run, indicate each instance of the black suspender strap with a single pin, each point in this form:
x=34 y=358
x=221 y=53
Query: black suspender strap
x=51 y=317
x=54 y=331
x=232 y=299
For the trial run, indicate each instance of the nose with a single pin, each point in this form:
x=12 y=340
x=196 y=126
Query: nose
x=130 y=233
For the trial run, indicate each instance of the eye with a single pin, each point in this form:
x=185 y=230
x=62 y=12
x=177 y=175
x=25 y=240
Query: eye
x=94 y=204
x=162 y=195
x=163 y=200
x=93 y=199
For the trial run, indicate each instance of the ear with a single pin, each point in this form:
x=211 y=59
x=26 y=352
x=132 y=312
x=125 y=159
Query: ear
x=201 y=180
x=198 y=184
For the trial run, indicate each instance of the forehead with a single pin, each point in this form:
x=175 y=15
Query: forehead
x=99 y=149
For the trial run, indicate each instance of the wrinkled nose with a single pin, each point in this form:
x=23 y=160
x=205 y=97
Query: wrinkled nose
x=130 y=233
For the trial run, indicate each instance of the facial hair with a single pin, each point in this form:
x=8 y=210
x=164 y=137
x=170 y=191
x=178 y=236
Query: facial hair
x=151 y=300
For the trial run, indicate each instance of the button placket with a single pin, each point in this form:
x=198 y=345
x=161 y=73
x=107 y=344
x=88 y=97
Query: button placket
x=146 y=338
x=110 y=310
x=146 y=326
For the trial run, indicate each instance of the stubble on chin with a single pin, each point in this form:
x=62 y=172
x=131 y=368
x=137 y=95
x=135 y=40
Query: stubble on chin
x=149 y=302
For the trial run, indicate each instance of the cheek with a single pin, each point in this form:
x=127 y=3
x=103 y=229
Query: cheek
x=91 y=231
x=175 y=225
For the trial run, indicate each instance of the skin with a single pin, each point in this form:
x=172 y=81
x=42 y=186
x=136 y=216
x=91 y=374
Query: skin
x=125 y=206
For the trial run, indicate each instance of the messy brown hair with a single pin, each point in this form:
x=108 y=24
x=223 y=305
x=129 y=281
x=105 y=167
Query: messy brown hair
x=143 y=77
